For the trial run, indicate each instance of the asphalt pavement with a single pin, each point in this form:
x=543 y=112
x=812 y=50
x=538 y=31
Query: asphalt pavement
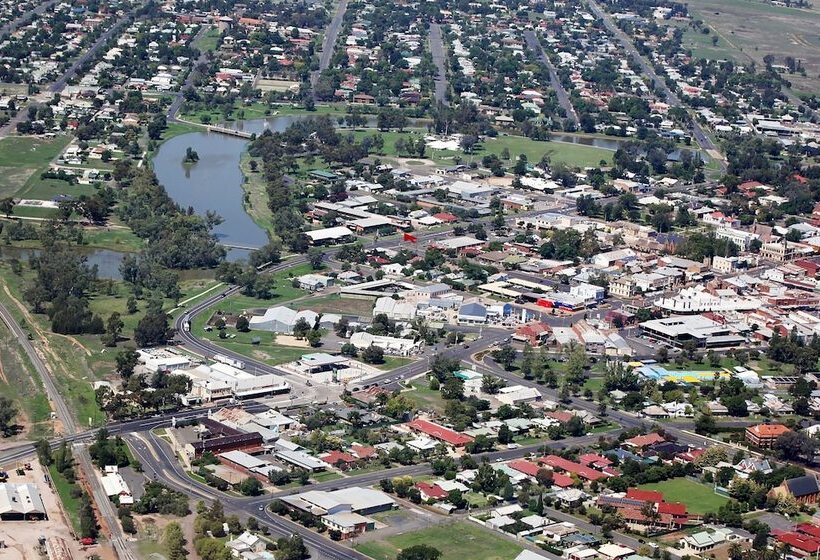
x=563 y=98
x=437 y=51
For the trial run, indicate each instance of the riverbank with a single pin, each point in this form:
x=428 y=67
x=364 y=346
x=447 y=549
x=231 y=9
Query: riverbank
x=255 y=196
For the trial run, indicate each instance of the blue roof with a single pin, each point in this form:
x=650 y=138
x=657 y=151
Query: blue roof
x=474 y=309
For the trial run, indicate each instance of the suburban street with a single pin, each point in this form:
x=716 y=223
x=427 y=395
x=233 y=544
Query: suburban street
x=563 y=98
x=329 y=40
x=440 y=60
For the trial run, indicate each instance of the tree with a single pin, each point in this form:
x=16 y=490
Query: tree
x=505 y=356
x=113 y=328
x=373 y=355
x=127 y=359
x=250 y=487
x=174 y=542
x=292 y=548
x=152 y=329
x=419 y=552
x=505 y=435
x=8 y=412
x=544 y=477
x=301 y=328
x=705 y=424
x=491 y=384
x=349 y=349
x=315 y=258
x=314 y=338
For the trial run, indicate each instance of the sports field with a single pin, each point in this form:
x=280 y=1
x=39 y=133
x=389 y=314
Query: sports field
x=699 y=498
x=456 y=541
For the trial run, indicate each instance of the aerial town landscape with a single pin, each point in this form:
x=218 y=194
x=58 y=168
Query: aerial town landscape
x=409 y=280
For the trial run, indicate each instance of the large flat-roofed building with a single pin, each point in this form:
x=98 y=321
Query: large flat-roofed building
x=216 y=381
x=704 y=332
x=326 y=236
x=457 y=243
x=162 y=359
x=363 y=501
x=21 y=502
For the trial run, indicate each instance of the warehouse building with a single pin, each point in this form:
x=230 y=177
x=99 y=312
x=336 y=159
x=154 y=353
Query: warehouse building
x=282 y=320
x=21 y=502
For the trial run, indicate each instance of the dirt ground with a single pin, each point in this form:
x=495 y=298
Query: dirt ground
x=22 y=536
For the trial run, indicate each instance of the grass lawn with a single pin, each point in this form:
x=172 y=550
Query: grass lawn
x=26 y=151
x=20 y=382
x=698 y=498
x=424 y=397
x=456 y=541
x=326 y=476
x=393 y=362
x=46 y=189
x=256 y=197
x=23 y=157
x=267 y=350
x=571 y=154
x=208 y=41
x=594 y=384
x=71 y=505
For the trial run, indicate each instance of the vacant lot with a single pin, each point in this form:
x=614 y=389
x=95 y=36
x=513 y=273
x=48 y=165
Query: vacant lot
x=22 y=157
x=456 y=541
x=334 y=303
x=698 y=498
x=754 y=29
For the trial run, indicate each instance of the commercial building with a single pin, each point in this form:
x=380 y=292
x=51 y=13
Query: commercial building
x=704 y=332
x=163 y=359
x=363 y=501
x=331 y=235
x=282 y=320
x=21 y=502
x=390 y=345
x=218 y=381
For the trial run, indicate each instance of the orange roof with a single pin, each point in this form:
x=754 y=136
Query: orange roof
x=768 y=430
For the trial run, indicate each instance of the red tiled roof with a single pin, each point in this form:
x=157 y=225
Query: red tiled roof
x=560 y=415
x=334 y=457
x=522 y=466
x=643 y=441
x=644 y=495
x=446 y=217
x=809 y=529
x=439 y=432
x=562 y=480
x=803 y=543
x=431 y=490
x=594 y=459
x=675 y=509
x=634 y=514
x=768 y=430
x=560 y=463
x=363 y=451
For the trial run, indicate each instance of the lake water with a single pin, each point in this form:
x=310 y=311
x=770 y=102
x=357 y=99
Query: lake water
x=215 y=181
x=108 y=262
